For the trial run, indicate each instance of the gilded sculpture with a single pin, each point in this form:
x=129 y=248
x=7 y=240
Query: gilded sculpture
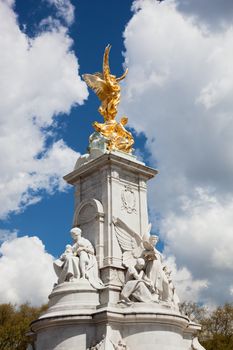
x=107 y=88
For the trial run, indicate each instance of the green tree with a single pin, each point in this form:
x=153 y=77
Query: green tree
x=217 y=326
x=217 y=331
x=14 y=323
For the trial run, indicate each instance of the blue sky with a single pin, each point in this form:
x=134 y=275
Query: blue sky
x=178 y=97
x=97 y=25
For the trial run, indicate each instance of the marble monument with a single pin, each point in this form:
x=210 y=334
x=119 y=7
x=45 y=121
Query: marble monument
x=113 y=289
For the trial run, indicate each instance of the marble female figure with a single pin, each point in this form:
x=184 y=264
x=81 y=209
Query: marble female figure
x=88 y=265
x=154 y=269
x=137 y=284
x=78 y=261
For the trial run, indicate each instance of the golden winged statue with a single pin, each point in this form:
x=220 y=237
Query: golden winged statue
x=107 y=88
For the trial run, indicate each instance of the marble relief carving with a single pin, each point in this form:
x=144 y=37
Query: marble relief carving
x=121 y=345
x=108 y=344
x=113 y=276
x=86 y=214
x=128 y=200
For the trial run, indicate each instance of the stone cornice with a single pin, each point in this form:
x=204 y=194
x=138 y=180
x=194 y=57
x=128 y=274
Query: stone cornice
x=110 y=159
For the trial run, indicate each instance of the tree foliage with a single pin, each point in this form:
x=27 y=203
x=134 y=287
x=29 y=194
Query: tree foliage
x=217 y=331
x=217 y=326
x=14 y=323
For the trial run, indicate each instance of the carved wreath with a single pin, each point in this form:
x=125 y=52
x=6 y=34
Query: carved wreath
x=128 y=200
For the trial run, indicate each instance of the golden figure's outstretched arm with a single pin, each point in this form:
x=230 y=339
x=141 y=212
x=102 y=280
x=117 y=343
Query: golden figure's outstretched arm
x=123 y=76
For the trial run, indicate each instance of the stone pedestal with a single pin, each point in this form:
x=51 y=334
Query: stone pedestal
x=107 y=186
x=139 y=327
x=72 y=298
x=111 y=185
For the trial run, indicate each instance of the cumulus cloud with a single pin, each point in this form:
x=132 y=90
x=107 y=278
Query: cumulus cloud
x=24 y=277
x=201 y=240
x=187 y=288
x=179 y=94
x=7 y=235
x=65 y=10
x=214 y=13
x=39 y=80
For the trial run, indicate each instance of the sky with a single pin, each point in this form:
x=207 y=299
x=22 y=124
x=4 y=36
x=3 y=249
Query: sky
x=178 y=98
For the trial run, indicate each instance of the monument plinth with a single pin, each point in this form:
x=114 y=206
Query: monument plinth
x=110 y=186
x=113 y=289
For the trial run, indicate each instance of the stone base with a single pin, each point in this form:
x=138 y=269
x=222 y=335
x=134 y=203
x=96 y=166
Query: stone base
x=139 y=327
x=71 y=298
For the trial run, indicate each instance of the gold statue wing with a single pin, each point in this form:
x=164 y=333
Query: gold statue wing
x=106 y=68
x=96 y=83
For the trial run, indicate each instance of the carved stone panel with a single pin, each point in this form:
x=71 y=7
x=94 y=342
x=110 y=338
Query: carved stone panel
x=87 y=214
x=128 y=200
x=113 y=276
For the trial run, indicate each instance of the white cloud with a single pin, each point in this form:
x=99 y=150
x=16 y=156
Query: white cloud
x=179 y=93
x=213 y=13
x=7 y=235
x=201 y=240
x=24 y=277
x=187 y=288
x=39 y=80
x=65 y=10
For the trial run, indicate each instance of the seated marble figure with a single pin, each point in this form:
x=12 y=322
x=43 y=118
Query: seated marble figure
x=78 y=262
x=147 y=279
x=138 y=287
